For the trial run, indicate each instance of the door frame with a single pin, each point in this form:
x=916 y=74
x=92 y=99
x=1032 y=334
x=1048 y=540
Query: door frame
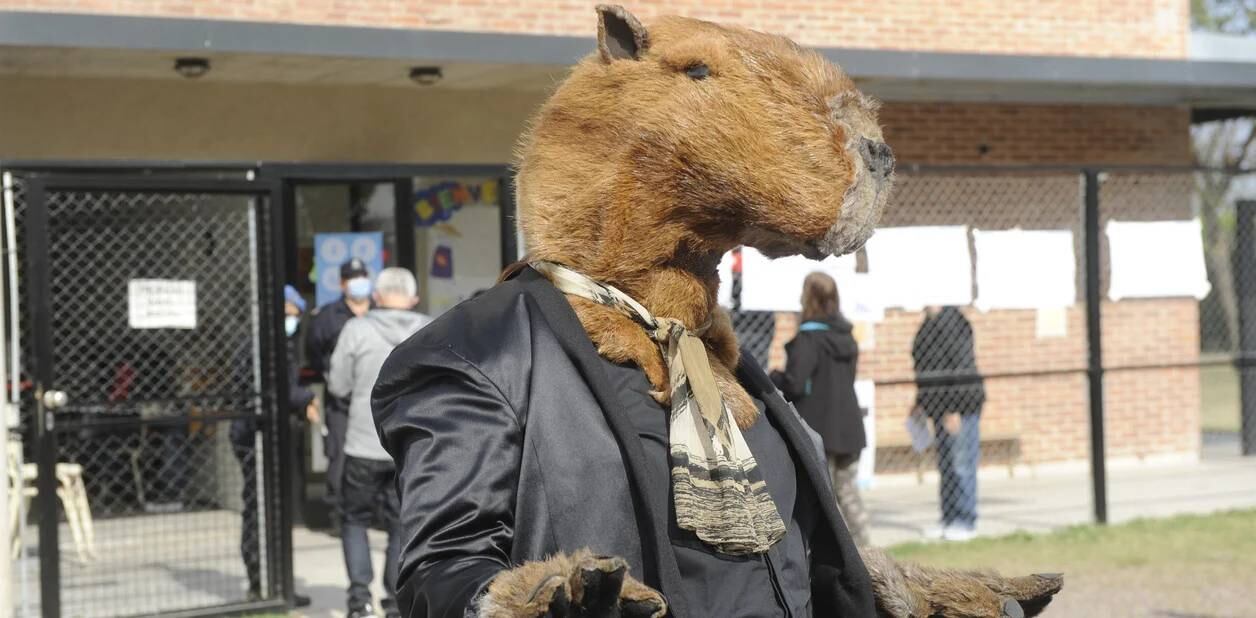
x=36 y=239
x=289 y=175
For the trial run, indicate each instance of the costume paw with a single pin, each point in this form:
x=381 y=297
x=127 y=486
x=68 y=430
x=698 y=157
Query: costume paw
x=912 y=591
x=578 y=586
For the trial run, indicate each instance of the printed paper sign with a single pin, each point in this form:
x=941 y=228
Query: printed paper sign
x=1156 y=259
x=915 y=267
x=1019 y=269
x=161 y=303
x=776 y=285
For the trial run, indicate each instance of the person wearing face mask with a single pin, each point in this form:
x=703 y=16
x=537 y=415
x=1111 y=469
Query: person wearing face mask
x=320 y=342
x=301 y=402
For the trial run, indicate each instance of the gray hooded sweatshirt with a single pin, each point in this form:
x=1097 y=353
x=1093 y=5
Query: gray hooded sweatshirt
x=363 y=346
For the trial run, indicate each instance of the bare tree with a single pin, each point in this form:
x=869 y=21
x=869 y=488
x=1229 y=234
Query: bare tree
x=1222 y=145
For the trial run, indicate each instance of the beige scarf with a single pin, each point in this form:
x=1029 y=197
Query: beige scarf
x=718 y=491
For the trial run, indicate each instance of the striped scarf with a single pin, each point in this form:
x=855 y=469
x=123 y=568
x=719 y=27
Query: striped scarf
x=717 y=489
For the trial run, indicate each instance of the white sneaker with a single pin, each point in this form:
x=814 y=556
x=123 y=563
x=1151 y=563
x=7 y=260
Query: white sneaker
x=959 y=533
x=934 y=533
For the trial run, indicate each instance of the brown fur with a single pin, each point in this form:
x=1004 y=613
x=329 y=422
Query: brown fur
x=641 y=177
x=905 y=590
x=529 y=589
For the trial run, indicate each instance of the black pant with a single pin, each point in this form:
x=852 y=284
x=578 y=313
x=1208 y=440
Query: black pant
x=250 y=540
x=337 y=421
x=369 y=498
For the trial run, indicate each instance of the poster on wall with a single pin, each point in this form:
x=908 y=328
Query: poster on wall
x=463 y=256
x=1019 y=269
x=776 y=285
x=915 y=267
x=333 y=250
x=1156 y=259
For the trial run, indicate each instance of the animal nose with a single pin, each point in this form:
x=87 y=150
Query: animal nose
x=877 y=156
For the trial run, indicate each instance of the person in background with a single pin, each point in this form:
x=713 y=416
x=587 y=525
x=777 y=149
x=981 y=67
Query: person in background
x=819 y=379
x=950 y=392
x=244 y=435
x=320 y=341
x=369 y=492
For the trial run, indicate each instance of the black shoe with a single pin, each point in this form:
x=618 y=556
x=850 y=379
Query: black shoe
x=390 y=608
x=300 y=600
x=362 y=612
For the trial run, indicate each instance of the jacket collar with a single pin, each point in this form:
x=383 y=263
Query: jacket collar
x=575 y=341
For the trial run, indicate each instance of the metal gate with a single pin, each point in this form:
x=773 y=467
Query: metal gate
x=152 y=308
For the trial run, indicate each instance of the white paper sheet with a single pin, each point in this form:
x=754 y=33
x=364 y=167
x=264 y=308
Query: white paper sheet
x=866 y=395
x=776 y=285
x=161 y=303
x=919 y=266
x=1156 y=259
x=918 y=429
x=1051 y=322
x=1019 y=269
x=725 y=270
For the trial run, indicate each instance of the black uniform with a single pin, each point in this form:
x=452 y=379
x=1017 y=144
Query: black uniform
x=320 y=342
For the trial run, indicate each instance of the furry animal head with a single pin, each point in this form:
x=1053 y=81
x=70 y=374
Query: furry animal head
x=681 y=140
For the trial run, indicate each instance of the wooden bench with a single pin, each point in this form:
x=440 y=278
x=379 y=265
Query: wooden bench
x=898 y=456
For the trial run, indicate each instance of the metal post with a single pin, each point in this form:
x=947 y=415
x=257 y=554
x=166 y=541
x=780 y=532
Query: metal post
x=1094 y=369
x=46 y=440
x=1244 y=257
x=280 y=386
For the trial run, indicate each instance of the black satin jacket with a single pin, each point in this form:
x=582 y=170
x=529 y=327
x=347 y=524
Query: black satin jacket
x=510 y=447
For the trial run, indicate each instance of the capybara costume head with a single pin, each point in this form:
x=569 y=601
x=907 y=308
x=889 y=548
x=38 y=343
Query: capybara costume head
x=675 y=142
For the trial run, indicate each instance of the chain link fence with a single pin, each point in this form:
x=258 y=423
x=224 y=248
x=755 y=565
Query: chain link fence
x=980 y=347
x=156 y=333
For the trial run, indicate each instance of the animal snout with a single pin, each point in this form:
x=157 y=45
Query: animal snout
x=877 y=156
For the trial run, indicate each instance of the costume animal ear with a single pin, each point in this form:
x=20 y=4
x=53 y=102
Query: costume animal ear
x=619 y=35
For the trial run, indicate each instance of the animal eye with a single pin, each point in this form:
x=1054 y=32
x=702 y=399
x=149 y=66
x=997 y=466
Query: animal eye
x=698 y=71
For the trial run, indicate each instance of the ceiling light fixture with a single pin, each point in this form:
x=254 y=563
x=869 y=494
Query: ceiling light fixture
x=191 y=68
x=425 y=76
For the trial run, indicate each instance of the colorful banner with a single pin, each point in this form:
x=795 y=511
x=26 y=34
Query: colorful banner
x=439 y=202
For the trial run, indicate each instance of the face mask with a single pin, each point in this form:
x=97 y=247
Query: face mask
x=359 y=288
x=290 y=324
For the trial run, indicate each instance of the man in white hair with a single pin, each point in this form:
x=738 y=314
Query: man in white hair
x=369 y=489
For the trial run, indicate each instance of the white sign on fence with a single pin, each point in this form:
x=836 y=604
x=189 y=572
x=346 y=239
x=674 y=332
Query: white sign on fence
x=161 y=303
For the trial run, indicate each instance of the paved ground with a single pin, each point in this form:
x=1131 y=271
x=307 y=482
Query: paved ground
x=190 y=559
x=1050 y=499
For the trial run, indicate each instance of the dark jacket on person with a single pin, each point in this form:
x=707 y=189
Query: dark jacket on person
x=947 y=379
x=299 y=397
x=320 y=342
x=510 y=446
x=819 y=378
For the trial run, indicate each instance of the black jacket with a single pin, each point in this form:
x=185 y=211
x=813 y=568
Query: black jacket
x=947 y=379
x=819 y=378
x=320 y=342
x=299 y=397
x=509 y=447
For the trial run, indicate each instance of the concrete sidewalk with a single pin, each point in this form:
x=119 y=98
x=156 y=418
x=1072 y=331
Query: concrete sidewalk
x=1050 y=499
x=1044 y=501
x=168 y=561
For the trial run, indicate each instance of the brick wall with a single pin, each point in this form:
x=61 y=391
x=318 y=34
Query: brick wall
x=1148 y=411
x=1135 y=28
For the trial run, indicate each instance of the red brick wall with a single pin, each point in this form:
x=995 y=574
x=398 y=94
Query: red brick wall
x=1148 y=411
x=1135 y=28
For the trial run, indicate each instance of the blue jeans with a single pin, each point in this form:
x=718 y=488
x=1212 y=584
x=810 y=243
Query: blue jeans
x=958 y=456
x=369 y=499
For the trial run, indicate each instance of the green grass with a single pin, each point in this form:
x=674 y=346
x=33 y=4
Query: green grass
x=1219 y=388
x=1227 y=539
